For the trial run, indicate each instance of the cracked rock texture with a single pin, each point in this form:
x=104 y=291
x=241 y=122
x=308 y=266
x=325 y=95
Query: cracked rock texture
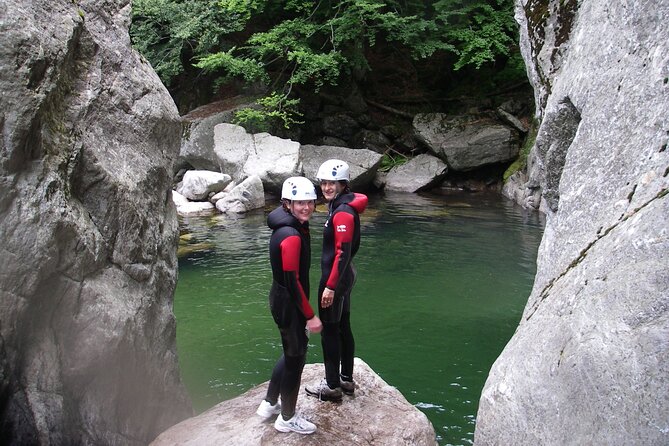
x=588 y=362
x=89 y=233
x=377 y=414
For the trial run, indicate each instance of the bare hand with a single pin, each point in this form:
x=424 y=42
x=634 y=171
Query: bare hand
x=314 y=325
x=327 y=298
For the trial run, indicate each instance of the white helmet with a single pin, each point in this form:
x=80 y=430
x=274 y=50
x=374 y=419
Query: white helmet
x=333 y=170
x=298 y=188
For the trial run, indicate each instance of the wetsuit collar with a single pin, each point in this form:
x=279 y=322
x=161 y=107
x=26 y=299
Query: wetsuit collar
x=281 y=217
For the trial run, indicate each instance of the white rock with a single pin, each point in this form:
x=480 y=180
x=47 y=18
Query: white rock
x=242 y=198
x=198 y=184
x=271 y=158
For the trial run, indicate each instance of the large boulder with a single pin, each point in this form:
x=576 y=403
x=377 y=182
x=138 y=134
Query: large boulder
x=241 y=154
x=372 y=140
x=89 y=231
x=197 y=147
x=420 y=172
x=466 y=142
x=340 y=125
x=378 y=414
x=587 y=364
x=198 y=184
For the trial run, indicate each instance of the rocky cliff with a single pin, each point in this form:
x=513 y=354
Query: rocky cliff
x=89 y=137
x=588 y=362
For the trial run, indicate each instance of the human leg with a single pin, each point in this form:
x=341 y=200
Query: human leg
x=330 y=342
x=294 y=341
x=290 y=385
x=270 y=405
x=274 y=387
x=347 y=353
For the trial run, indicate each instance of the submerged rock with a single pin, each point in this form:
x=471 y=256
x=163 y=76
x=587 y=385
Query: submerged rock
x=376 y=414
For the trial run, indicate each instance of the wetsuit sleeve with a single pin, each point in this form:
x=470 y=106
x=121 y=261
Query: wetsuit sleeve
x=343 y=224
x=290 y=258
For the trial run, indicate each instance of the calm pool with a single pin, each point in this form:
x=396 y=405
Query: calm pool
x=442 y=282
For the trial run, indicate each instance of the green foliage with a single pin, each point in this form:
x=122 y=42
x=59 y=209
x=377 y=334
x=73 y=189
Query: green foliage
x=316 y=41
x=284 y=43
x=248 y=69
x=521 y=162
x=479 y=31
x=169 y=32
x=275 y=109
x=390 y=160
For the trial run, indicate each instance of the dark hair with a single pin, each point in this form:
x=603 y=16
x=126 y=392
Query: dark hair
x=346 y=187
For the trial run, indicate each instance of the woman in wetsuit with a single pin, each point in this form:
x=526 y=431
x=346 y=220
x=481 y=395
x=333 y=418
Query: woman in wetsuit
x=290 y=257
x=341 y=240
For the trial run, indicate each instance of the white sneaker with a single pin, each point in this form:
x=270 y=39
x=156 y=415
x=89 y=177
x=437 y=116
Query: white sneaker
x=266 y=410
x=296 y=424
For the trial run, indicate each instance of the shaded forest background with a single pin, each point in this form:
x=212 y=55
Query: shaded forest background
x=298 y=58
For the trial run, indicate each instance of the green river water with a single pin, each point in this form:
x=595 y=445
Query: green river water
x=442 y=283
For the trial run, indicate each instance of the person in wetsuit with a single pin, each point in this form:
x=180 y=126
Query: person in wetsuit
x=290 y=257
x=341 y=240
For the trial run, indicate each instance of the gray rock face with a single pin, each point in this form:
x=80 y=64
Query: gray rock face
x=466 y=144
x=556 y=134
x=197 y=148
x=377 y=414
x=418 y=173
x=340 y=126
x=242 y=154
x=368 y=139
x=87 y=335
x=587 y=364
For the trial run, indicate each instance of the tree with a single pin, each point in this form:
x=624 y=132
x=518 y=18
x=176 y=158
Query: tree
x=171 y=33
x=284 y=43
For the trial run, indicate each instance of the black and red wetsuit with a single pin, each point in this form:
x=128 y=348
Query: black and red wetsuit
x=290 y=257
x=341 y=240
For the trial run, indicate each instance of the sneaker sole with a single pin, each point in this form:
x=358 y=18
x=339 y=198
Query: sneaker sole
x=322 y=397
x=287 y=429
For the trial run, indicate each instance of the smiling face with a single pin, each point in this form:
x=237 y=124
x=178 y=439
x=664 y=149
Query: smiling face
x=330 y=189
x=302 y=209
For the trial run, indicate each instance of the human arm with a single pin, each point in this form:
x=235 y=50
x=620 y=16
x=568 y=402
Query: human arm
x=290 y=259
x=343 y=224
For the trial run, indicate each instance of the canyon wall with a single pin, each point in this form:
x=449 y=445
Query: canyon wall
x=89 y=231
x=588 y=361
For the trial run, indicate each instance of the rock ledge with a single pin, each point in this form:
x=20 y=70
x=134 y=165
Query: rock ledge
x=378 y=414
